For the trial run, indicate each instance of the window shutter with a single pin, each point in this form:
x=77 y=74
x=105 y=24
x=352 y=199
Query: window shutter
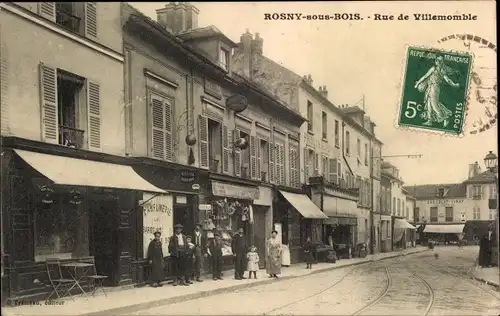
x=225 y=148
x=48 y=98
x=91 y=19
x=168 y=129
x=237 y=154
x=258 y=154
x=47 y=10
x=94 y=115
x=316 y=164
x=306 y=165
x=203 y=135
x=333 y=171
x=271 y=162
x=157 y=128
x=291 y=155
x=282 y=164
x=253 y=158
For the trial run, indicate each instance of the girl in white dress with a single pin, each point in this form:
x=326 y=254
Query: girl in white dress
x=252 y=262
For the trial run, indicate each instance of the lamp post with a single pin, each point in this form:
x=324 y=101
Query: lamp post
x=491 y=163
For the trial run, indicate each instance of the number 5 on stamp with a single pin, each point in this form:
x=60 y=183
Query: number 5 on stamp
x=434 y=90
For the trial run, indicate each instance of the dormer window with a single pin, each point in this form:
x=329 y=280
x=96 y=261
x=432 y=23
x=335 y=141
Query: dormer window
x=224 y=58
x=440 y=192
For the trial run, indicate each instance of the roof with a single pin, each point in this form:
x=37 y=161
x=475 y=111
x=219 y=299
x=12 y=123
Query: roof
x=429 y=191
x=205 y=32
x=484 y=177
x=387 y=165
x=352 y=110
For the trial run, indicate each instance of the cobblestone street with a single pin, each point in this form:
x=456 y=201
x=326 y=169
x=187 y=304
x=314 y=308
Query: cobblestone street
x=421 y=284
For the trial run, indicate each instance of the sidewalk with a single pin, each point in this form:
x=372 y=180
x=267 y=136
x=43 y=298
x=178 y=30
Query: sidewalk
x=489 y=276
x=126 y=301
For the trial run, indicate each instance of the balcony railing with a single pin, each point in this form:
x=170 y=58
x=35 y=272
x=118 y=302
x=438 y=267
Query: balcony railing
x=71 y=137
x=263 y=176
x=214 y=165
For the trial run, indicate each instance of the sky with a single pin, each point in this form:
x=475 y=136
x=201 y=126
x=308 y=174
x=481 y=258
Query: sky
x=366 y=57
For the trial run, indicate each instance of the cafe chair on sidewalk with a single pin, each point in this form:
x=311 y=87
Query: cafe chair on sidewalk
x=97 y=279
x=56 y=279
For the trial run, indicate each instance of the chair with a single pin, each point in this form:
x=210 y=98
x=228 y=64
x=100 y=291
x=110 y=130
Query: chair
x=56 y=279
x=97 y=279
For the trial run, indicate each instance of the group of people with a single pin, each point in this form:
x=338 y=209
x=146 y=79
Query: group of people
x=487 y=257
x=187 y=254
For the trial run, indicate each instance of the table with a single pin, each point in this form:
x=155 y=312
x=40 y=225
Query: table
x=73 y=267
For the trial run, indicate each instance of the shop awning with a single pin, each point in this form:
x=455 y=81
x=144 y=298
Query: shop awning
x=80 y=172
x=303 y=204
x=444 y=229
x=402 y=224
x=335 y=206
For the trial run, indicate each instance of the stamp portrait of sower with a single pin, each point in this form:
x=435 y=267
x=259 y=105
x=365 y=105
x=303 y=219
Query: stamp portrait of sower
x=435 y=90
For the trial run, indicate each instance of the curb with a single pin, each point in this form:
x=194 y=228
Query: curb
x=182 y=298
x=495 y=285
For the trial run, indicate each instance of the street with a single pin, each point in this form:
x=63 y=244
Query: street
x=419 y=284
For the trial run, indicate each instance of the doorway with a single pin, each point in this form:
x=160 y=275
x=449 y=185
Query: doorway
x=259 y=232
x=183 y=214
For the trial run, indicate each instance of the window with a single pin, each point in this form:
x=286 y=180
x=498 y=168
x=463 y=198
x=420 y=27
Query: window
x=264 y=160
x=449 y=214
x=162 y=126
x=403 y=209
x=69 y=15
x=310 y=115
x=399 y=207
x=280 y=163
x=476 y=213
x=69 y=93
x=493 y=191
x=294 y=167
x=337 y=134
x=224 y=58
x=310 y=162
x=245 y=157
x=61 y=230
x=358 y=147
x=394 y=206
x=366 y=154
x=434 y=214
x=417 y=214
x=324 y=125
x=440 y=192
x=324 y=167
x=347 y=143
x=333 y=172
x=476 y=192
x=492 y=214
x=215 y=145
x=77 y=17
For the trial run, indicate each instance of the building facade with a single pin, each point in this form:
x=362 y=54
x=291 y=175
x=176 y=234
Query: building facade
x=385 y=211
x=68 y=192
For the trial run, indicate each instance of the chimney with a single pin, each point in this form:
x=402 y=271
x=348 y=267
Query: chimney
x=178 y=17
x=477 y=168
x=257 y=45
x=322 y=90
x=471 y=171
x=245 y=50
x=308 y=79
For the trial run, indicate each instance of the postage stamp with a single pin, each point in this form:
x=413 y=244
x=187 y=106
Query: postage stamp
x=435 y=90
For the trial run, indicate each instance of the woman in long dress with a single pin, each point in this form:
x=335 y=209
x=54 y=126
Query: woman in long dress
x=274 y=251
x=430 y=84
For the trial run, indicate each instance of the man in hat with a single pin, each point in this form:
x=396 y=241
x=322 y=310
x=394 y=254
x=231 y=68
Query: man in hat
x=215 y=251
x=177 y=249
x=239 y=248
x=155 y=257
x=200 y=243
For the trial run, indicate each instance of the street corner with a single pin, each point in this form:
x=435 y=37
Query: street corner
x=435 y=90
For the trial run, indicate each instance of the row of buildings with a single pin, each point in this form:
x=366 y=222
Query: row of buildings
x=114 y=125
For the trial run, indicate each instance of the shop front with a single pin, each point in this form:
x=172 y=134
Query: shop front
x=385 y=233
x=57 y=205
x=444 y=233
x=162 y=212
x=404 y=234
x=298 y=218
x=227 y=207
x=262 y=221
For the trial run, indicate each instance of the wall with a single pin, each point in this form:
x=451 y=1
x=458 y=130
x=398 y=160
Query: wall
x=20 y=69
x=397 y=192
x=487 y=191
x=459 y=204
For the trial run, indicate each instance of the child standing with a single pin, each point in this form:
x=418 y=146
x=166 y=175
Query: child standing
x=308 y=251
x=252 y=262
x=190 y=249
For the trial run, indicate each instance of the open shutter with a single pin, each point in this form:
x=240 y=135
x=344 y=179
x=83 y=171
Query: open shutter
x=203 y=135
x=316 y=164
x=48 y=100
x=94 y=114
x=339 y=169
x=306 y=165
x=91 y=20
x=272 y=159
x=237 y=154
x=333 y=171
x=258 y=155
x=47 y=10
x=157 y=128
x=225 y=149
x=253 y=158
x=168 y=129
x=282 y=164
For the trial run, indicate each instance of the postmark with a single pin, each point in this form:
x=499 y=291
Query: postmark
x=482 y=109
x=434 y=90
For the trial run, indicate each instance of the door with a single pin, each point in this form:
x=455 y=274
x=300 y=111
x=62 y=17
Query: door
x=103 y=236
x=183 y=215
x=259 y=233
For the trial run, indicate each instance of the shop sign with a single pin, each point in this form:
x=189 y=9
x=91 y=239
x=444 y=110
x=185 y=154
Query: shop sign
x=205 y=207
x=447 y=201
x=157 y=216
x=234 y=191
x=187 y=176
x=341 y=221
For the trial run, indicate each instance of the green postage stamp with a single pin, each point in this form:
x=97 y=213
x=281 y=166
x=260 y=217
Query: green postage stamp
x=435 y=90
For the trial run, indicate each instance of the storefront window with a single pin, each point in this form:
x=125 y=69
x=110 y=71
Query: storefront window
x=61 y=229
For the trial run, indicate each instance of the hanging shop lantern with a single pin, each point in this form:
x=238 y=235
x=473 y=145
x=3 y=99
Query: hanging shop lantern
x=75 y=197
x=48 y=196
